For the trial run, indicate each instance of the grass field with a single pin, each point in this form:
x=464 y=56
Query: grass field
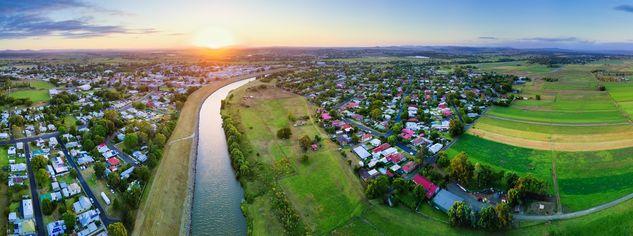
x=325 y=191
x=622 y=94
x=39 y=92
x=585 y=179
x=98 y=186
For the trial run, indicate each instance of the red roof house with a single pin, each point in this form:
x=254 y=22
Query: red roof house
x=113 y=161
x=381 y=148
x=429 y=186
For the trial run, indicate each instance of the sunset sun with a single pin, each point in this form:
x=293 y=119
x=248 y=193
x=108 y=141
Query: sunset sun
x=213 y=38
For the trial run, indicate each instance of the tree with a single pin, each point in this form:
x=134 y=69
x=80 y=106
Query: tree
x=442 y=160
x=284 y=133
x=99 y=168
x=375 y=114
x=421 y=154
x=510 y=179
x=131 y=140
x=73 y=173
x=377 y=187
x=400 y=184
x=141 y=173
x=41 y=176
x=47 y=207
x=459 y=214
x=392 y=139
x=529 y=185
x=461 y=169
x=514 y=197
x=39 y=162
x=455 y=127
x=504 y=215
x=420 y=192
x=488 y=218
x=160 y=139
x=117 y=229
x=483 y=175
x=70 y=219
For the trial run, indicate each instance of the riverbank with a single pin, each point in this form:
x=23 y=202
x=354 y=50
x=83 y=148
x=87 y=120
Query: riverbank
x=166 y=206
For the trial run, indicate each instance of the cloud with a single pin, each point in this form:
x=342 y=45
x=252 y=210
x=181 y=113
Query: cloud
x=488 y=37
x=556 y=40
x=624 y=8
x=38 y=6
x=27 y=19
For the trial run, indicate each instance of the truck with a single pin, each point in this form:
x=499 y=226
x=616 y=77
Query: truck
x=105 y=198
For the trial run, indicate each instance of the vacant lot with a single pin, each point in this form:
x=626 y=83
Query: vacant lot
x=324 y=190
x=585 y=179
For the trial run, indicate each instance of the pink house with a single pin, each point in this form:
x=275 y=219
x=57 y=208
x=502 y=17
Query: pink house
x=326 y=116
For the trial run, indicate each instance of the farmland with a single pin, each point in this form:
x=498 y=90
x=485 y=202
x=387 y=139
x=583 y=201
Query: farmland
x=585 y=179
x=324 y=191
x=587 y=132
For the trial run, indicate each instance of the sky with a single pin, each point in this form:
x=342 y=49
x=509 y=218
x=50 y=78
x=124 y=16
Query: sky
x=167 y=24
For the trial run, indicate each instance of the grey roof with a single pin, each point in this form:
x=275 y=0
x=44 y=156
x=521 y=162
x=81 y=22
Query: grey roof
x=445 y=199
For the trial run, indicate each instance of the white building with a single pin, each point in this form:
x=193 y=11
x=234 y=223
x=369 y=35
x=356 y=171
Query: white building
x=27 y=209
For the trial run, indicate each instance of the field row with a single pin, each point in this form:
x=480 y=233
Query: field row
x=586 y=179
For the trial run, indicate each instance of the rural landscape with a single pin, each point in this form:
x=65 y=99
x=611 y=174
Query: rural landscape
x=316 y=118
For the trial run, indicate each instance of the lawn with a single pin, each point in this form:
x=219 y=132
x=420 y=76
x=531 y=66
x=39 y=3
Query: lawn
x=586 y=179
x=98 y=186
x=33 y=95
x=325 y=191
x=617 y=220
x=382 y=220
x=4 y=157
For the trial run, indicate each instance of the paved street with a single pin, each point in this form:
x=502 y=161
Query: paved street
x=104 y=217
x=37 y=212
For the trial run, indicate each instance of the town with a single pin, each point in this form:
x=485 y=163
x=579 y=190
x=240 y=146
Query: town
x=80 y=140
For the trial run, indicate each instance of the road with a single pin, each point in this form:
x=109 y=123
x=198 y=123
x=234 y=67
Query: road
x=104 y=217
x=127 y=158
x=574 y=214
x=29 y=139
x=37 y=212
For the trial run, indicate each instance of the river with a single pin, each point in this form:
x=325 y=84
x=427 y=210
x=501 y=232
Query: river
x=218 y=194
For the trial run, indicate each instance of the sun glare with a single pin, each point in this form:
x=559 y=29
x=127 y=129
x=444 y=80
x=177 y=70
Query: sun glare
x=213 y=38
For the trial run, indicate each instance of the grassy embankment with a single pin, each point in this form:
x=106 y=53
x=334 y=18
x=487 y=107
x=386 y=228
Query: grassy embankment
x=163 y=203
x=324 y=191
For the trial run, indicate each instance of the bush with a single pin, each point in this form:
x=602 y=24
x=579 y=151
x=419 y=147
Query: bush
x=284 y=133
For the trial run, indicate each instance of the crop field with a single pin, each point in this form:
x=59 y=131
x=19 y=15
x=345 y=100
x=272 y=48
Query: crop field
x=324 y=191
x=622 y=94
x=585 y=179
x=572 y=115
x=558 y=117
